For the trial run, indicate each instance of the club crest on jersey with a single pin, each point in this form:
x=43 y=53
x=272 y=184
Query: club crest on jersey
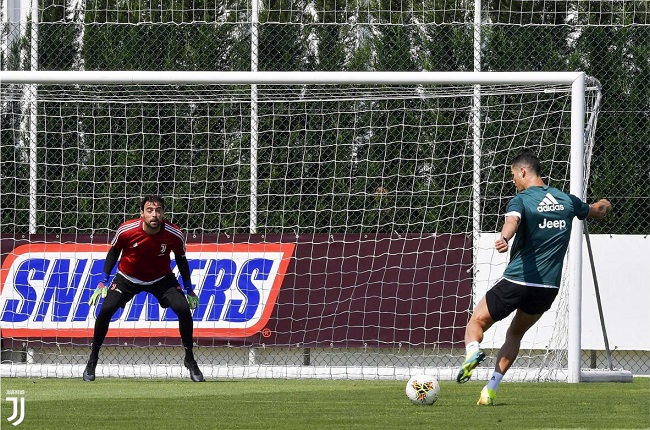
x=549 y=204
x=163 y=248
x=45 y=289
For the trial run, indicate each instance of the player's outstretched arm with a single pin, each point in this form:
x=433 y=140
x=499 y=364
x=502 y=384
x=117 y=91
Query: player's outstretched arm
x=599 y=209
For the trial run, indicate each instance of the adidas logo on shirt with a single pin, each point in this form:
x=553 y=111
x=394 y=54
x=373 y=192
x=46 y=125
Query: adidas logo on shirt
x=549 y=204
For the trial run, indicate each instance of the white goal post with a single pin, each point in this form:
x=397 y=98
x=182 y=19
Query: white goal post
x=333 y=125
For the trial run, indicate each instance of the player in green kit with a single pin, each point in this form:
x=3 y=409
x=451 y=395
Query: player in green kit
x=541 y=216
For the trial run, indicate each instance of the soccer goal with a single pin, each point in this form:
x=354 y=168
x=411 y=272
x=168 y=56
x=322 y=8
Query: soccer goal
x=339 y=224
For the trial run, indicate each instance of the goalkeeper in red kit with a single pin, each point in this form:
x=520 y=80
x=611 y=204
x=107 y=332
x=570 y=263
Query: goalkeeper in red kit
x=144 y=245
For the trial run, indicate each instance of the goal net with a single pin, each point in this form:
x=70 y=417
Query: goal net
x=339 y=225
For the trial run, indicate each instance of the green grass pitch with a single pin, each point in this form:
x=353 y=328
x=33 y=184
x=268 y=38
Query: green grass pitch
x=111 y=403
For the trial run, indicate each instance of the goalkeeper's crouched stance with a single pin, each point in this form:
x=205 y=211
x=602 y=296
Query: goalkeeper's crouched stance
x=145 y=245
x=168 y=293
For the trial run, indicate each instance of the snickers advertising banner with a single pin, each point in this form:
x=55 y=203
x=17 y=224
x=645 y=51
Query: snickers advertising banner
x=316 y=290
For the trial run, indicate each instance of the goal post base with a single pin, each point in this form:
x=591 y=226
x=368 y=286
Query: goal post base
x=605 y=375
x=108 y=370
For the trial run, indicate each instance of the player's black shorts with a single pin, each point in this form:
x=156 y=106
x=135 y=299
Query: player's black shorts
x=162 y=289
x=505 y=297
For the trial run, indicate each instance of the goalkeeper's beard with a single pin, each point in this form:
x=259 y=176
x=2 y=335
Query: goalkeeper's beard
x=153 y=224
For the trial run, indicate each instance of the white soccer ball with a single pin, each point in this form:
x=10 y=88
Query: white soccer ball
x=423 y=389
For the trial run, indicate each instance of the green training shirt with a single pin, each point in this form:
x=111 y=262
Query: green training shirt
x=545 y=217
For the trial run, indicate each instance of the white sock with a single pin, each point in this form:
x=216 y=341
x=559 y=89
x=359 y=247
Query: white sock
x=471 y=348
x=494 y=381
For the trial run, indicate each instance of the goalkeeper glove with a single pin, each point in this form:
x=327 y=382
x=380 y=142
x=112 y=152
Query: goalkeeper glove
x=192 y=299
x=100 y=291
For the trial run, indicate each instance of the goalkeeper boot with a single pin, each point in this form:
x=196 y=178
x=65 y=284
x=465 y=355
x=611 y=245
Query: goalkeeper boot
x=195 y=372
x=89 y=371
x=487 y=397
x=465 y=371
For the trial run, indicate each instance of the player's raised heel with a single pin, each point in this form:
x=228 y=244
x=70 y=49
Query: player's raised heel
x=487 y=397
x=195 y=372
x=89 y=371
x=465 y=371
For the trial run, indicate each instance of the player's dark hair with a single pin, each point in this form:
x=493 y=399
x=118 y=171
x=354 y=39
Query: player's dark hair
x=152 y=199
x=529 y=159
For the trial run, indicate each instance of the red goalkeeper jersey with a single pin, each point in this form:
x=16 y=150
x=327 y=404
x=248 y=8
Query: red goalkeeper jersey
x=145 y=257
